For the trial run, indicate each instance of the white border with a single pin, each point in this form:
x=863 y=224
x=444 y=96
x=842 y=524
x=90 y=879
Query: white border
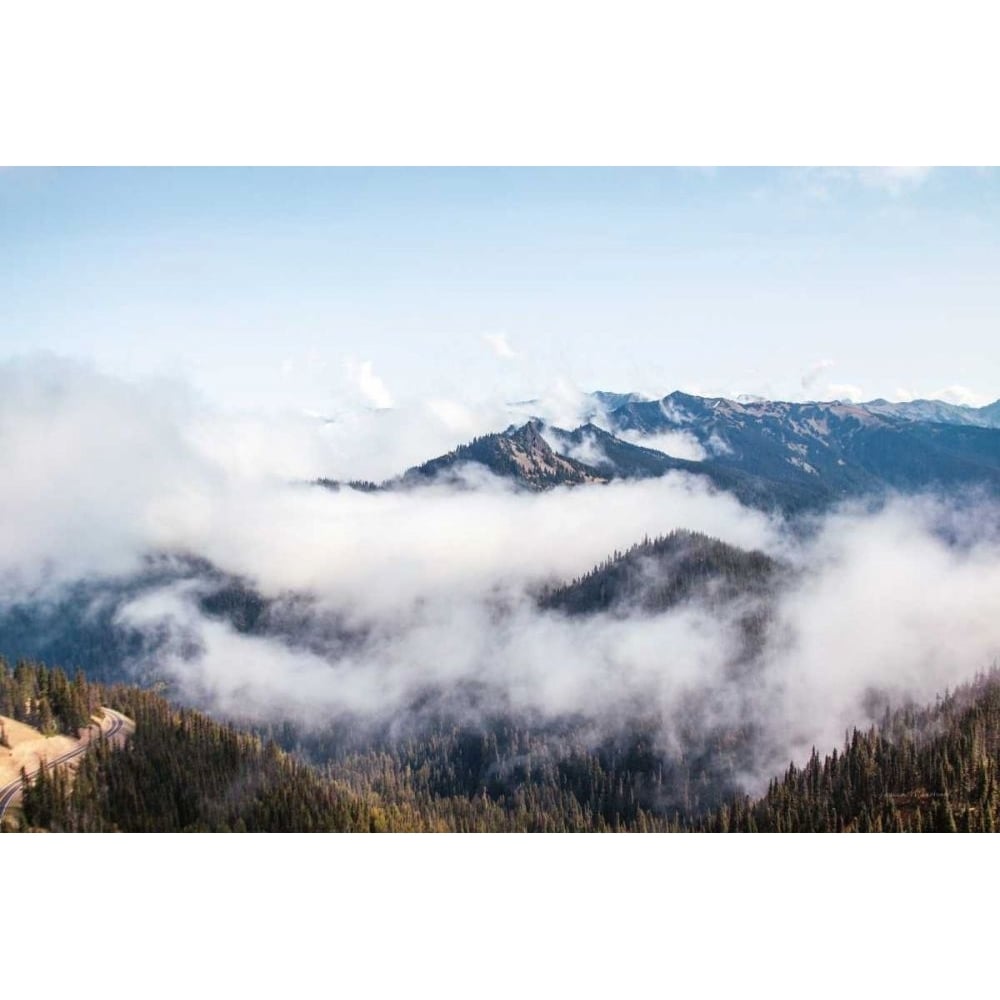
x=500 y=916
x=392 y=82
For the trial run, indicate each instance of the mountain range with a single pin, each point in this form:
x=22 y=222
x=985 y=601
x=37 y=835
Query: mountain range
x=781 y=456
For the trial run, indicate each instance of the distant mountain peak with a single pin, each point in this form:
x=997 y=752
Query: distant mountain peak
x=657 y=574
x=519 y=453
x=937 y=411
x=527 y=435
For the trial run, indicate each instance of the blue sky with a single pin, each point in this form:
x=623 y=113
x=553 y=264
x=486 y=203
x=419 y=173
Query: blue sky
x=320 y=288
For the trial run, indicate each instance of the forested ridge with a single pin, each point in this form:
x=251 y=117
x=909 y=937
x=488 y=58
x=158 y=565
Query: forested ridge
x=933 y=768
x=656 y=574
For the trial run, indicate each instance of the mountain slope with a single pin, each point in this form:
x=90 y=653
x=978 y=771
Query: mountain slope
x=655 y=575
x=609 y=455
x=937 y=411
x=813 y=454
x=929 y=769
x=618 y=459
x=520 y=453
x=85 y=624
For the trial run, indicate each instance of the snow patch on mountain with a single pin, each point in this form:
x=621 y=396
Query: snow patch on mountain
x=801 y=463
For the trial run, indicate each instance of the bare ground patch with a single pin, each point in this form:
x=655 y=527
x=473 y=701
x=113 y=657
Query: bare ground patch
x=28 y=747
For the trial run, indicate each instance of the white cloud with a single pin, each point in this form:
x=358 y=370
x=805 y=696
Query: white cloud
x=845 y=391
x=498 y=344
x=818 y=389
x=372 y=388
x=813 y=373
x=960 y=395
x=443 y=580
x=91 y=463
x=678 y=444
x=885 y=606
x=823 y=183
x=459 y=419
x=893 y=180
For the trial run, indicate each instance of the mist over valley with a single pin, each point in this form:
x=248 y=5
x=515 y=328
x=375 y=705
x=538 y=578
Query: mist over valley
x=554 y=593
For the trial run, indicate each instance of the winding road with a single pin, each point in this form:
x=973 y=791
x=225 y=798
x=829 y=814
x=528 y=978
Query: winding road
x=10 y=791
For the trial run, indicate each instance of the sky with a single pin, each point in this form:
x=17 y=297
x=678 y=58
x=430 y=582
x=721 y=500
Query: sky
x=321 y=289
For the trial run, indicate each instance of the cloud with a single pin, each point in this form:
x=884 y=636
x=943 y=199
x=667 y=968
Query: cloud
x=881 y=607
x=824 y=183
x=372 y=388
x=380 y=554
x=815 y=371
x=497 y=343
x=380 y=444
x=844 y=391
x=96 y=470
x=894 y=181
x=679 y=444
x=819 y=389
x=886 y=605
x=959 y=395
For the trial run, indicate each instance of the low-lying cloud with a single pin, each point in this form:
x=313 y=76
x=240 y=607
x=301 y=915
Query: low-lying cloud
x=678 y=444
